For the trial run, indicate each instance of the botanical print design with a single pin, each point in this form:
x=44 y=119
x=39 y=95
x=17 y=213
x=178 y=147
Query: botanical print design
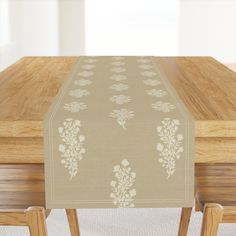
x=151 y=82
x=120 y=99
x=122 y=189
x=88 y=66
x=145 y=66
x=170 y=145
x=83 y=82
x=118 y=69
x=119 y=87
x=90 y=60
x=156 y=93
x=143 y=60
x=119 y=77
x=163 y=106
x=72 y=148
x=118 y=63
x=78 y=93
x=148 y=73
x=117 y=58
x=122 y=116
x=75 y=106
x=86 y=73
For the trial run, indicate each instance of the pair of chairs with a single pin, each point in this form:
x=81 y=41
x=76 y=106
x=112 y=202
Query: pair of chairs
x=215 y=197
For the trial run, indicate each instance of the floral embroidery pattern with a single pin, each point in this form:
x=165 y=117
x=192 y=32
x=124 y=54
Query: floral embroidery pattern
x=117 y=58
x=78 y=93
x=118 y=63
x=88 y=66
x=120 y=99
x=75 y=106
x=151 y=82
x=119 y=87
x=163 y=106
x=143 y=60
x=148 y=73
x=83 y=82
x=122 y=116
x=119 y=77
x=118 y=69
x=156 y=93
x=72 y=148
x=122 y=194
x=170 y=147
x=86 y=73
x=145 y=66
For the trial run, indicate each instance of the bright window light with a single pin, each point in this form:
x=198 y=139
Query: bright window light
x=4 y=23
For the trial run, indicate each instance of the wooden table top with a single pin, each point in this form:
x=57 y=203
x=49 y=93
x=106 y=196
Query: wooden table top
x=207 y=88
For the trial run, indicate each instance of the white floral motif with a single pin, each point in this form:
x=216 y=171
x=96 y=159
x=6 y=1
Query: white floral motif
x=170 y=146
x=72 y=148
x=156 y=92
x=118 y=69
x=118 y=58
x=75 y=106
x=143 y=60
x=163 y=106
x=119 y=77
x=86 y=73
x=78 y=93
x=119 y=87
x=151 y=82
x=88 y=66
x=120 y=99
x=148 y=73
x=122 y=194
x=118 y=63
x=145 y=66
x=122 y=116
x=90 y=60
x=82 y=82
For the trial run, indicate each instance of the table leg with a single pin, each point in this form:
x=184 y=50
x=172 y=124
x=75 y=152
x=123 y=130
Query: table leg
x=73 y=222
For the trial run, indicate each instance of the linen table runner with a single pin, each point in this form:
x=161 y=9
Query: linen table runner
x=118 y=135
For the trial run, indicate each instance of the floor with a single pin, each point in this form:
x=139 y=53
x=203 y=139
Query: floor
x=121 y=222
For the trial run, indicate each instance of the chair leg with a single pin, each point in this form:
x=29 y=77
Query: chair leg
x=36 y=221
x=73 y=222
x=212 y=216
x=184 y=221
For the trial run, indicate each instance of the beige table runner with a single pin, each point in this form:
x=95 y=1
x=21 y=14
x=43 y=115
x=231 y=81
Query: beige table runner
x=118 y=135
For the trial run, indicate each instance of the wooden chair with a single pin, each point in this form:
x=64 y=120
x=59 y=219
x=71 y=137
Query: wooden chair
x=22 y=199
x=215 y=197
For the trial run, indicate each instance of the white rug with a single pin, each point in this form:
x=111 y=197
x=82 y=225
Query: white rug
x=121 y=222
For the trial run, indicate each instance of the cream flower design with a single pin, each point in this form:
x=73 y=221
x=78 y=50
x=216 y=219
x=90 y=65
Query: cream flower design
x=88 y=66
x=118 y=70
x=148 y=73
x=86 y=73
x=78 y=93
x=119 y=87
x=122 y=116
x=143 y=60
x=75 y=106
x=119 y=77
x=156 y=93
x=118 y=63
x=117 y=58
x=151 y=82
x=122 y=194
x=120 y=99
x=163 y=106
x=145 y=66
x=82 y=82
x=72 y=146
x=170 y=145
x=90 y=60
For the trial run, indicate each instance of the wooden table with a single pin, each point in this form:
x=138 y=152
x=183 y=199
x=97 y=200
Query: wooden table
x=28 y=87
